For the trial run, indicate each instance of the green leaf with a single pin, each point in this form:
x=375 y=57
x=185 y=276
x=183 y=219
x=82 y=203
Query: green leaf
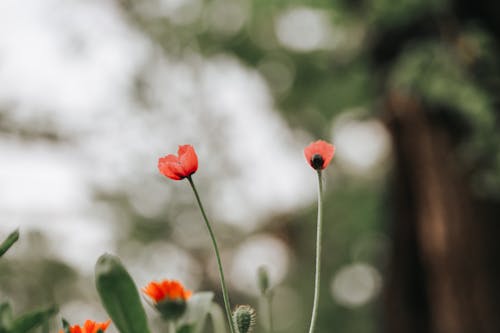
x=33 y=319
x=6 y=319
x=119 y=295
x=198 y=307
x=8 y=242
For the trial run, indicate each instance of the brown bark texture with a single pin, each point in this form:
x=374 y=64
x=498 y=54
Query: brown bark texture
x=444 y=266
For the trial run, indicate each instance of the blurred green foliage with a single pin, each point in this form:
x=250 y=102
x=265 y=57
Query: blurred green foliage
x=29 y=320
x=310 y=89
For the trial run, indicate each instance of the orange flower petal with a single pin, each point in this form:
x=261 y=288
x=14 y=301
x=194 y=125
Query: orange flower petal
x=89 y=327
x=186 y=294
x=155 y=291
x=102 y=326
x=166 y=289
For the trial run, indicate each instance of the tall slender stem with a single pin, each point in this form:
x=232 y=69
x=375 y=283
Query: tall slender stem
x=318 y=254
x=217 y=254
x=269 y=298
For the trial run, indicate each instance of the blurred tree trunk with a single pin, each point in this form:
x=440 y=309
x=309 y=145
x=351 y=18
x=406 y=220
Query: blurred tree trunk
x=442 y=276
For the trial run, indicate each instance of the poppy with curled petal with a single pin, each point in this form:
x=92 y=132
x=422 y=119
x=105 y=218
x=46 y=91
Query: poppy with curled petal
x=169 y=298
x=319 y=154
x=181 y=166
x=89 y=327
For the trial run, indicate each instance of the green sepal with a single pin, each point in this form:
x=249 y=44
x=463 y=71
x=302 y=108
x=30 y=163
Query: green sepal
x=171 y=309
x=8 y=242
x=33 y=319
x=66 y=326
x=198 y=306
x=6 y=317
x=186 y=329
x=119 y=295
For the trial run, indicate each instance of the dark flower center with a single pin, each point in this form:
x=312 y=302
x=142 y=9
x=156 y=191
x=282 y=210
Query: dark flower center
x=317 y=161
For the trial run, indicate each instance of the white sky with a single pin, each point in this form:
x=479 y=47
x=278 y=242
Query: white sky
x=68 y=67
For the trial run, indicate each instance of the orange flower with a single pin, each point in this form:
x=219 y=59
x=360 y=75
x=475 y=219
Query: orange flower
x=319 y=154
x=89 y=327
x=166 y=290
x=180 y=167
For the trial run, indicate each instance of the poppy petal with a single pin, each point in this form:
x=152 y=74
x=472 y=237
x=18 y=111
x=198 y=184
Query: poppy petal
x=188 y=159
x=322 y=148
x=167 y=167
x=179 y=167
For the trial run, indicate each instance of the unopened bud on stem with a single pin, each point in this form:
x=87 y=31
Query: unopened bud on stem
x=244 y=318
x=263 y=279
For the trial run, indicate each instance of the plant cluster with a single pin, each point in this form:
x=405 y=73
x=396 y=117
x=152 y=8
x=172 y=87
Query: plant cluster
x=182 y=310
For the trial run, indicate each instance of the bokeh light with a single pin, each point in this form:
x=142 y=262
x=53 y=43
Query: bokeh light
x=257 y=251
x=363 y=145
x=355 y=284
x=303 y=29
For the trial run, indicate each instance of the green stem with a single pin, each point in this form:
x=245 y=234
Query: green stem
x=217 y=254
x=171 y=327
x=269 y=298
x=318 y=254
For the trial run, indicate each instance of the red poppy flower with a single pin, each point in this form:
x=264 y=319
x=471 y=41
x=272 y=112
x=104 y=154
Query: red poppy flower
x=166 y=290
x=179 y=167
x=319 y=154
x=89 y=327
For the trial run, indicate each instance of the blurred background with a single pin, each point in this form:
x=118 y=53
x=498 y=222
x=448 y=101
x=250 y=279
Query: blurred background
x=93 y=92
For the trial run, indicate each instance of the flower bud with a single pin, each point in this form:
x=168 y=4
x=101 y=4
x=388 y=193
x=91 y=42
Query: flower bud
x=263 y=279
x=244 y=318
